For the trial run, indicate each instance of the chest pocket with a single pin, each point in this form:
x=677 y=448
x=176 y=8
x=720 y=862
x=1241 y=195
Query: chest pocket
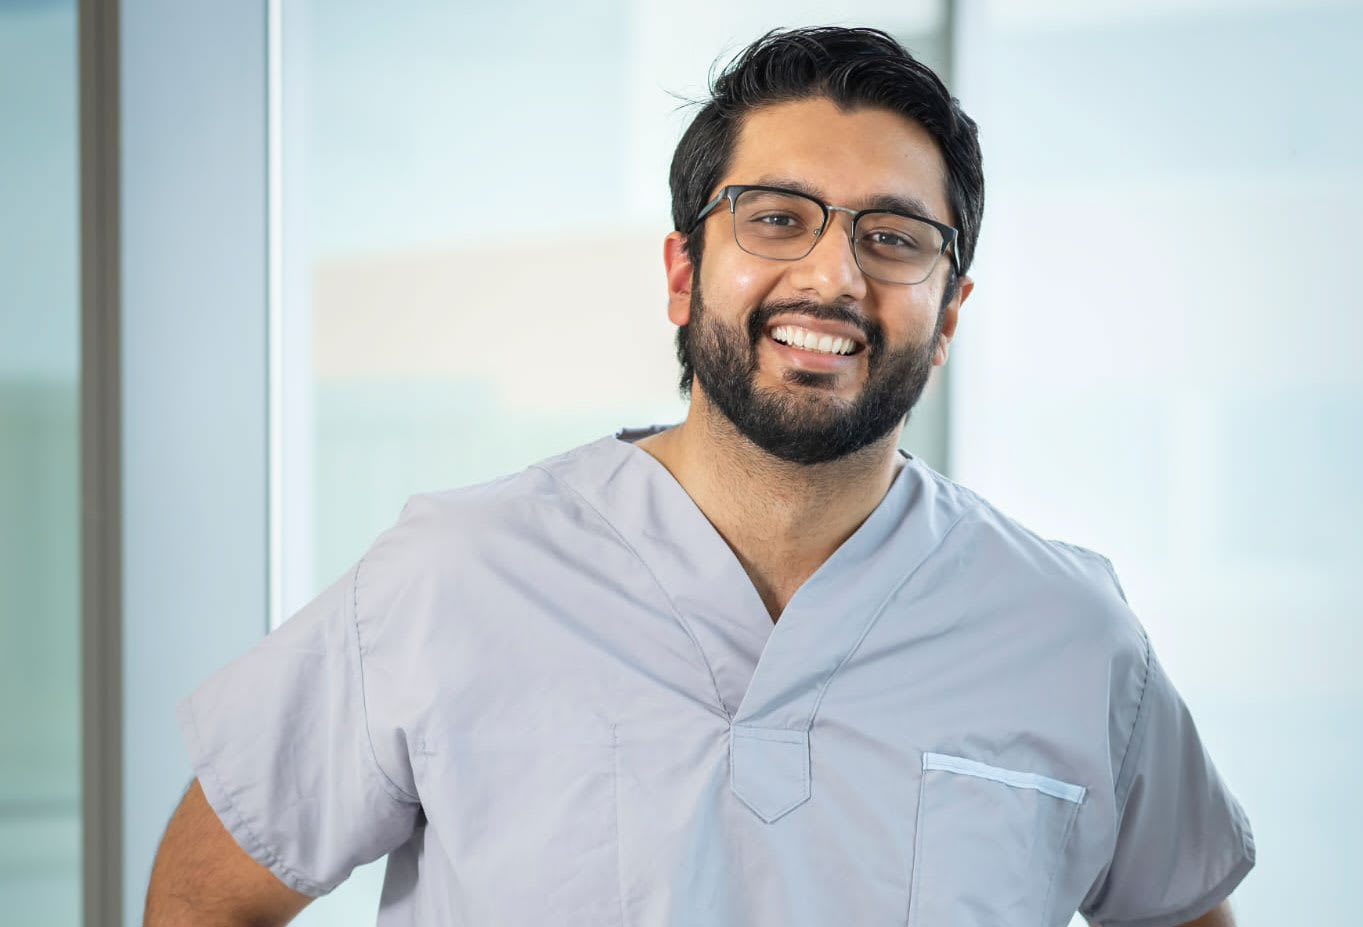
x=528 y=825
x=988 y=843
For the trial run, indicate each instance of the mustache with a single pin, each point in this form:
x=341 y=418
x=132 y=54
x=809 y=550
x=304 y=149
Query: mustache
x=827 y=312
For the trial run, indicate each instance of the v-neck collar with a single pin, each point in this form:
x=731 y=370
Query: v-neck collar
x=767 y=675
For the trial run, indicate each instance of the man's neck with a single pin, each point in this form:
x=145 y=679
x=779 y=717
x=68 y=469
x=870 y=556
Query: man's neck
x=782 y=520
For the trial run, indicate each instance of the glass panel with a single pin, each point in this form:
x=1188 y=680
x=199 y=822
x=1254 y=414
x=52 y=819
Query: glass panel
x=446 y=346
x=1133 y=376
x=39 y=466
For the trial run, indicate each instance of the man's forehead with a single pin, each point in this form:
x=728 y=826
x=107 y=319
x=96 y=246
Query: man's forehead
x=866 y=158
x=901 y=202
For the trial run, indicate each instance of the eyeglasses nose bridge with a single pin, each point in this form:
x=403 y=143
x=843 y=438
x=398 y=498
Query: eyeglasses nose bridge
x=818 y=234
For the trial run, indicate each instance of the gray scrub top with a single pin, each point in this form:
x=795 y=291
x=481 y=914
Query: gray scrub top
x=556 y=698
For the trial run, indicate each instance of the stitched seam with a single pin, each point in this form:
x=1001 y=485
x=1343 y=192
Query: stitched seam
x=615 y=790
x=1135 y=724
x=880 y=610
x=1059 y=858
x=264 y=851
x=774 y=734
x=395 y=791
x=676 y=613
x=916 y=869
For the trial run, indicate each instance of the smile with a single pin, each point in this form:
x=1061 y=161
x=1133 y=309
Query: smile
x=797 y=337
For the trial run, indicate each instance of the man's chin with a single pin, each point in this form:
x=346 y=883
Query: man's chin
x=806 y=381
x=807 y=386
x=797 y=428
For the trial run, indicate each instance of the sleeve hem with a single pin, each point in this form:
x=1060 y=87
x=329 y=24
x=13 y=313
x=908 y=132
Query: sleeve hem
x=220 y=800
x=1206 y=902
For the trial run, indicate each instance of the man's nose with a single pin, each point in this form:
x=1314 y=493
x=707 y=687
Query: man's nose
x=829 y=272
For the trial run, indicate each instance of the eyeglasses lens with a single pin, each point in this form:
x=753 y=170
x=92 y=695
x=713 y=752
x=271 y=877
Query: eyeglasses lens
x=785 y=226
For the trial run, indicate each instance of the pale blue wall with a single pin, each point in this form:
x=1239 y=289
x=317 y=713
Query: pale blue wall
x=194 y=380
x=39 y=466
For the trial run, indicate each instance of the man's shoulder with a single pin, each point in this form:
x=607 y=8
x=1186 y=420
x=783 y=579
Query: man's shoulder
x=446 y=546
x=983 y=517
x=1071 y=582
x=436 y=519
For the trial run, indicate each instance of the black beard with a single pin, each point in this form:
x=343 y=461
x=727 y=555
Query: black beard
x=805 y=426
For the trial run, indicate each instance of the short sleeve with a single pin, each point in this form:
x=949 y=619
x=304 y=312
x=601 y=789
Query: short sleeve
x=280 y=743
x=1183 y=841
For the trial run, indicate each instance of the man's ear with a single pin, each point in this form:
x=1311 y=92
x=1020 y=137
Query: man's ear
x=949 y=318
x=679 y=271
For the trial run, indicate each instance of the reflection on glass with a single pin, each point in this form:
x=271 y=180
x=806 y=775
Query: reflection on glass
x=39 y=467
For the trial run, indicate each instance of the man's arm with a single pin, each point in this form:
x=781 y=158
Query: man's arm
x=1218 y=916
x=202 y=877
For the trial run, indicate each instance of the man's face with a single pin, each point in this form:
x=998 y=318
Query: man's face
x=797 y=403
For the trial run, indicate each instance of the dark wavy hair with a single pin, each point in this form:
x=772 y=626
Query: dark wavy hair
x=853 y=67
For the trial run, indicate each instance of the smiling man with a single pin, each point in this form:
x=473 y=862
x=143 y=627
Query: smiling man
x=758 y=668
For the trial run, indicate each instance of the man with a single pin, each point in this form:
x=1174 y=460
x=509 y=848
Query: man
x=757 y=668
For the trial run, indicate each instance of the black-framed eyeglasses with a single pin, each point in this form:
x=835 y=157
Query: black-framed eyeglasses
x=783 y=225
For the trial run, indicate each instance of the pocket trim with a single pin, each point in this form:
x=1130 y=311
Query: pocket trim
x=1022 y=780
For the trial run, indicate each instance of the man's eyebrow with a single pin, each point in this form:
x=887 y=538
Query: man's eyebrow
x=891 y=201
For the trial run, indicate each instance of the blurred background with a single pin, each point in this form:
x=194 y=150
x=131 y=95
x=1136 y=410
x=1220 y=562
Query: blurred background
x=328 y=302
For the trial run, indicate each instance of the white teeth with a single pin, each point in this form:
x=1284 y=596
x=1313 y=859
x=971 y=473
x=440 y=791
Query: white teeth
x=812 y=341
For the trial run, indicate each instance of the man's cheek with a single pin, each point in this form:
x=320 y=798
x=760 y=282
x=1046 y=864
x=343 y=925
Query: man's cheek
x=743 y=280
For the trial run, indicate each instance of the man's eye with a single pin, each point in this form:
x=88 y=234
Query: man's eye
x=890 y=240
x=780 y=220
